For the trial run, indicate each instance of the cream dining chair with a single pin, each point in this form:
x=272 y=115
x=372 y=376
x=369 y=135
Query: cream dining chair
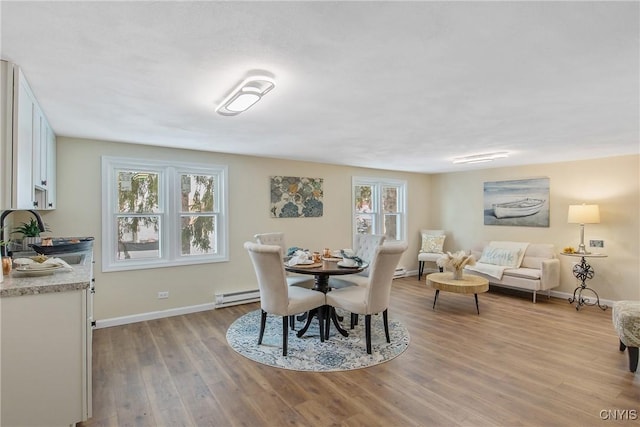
x=364 y=247
x=276 y=297
x=277 y=238
x=373 y=298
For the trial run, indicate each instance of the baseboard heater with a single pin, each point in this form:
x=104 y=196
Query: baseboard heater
x=235 y=298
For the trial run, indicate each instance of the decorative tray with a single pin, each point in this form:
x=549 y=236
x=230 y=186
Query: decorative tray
x=314 y=265
x=64 y=245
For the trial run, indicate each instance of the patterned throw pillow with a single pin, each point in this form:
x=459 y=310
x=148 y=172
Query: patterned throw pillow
x=432 y=244
x=500 y=256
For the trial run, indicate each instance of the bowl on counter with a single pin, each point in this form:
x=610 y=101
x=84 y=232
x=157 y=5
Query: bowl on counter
x=62 y=245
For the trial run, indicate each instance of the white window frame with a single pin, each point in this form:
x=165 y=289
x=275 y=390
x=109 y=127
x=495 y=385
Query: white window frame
x=169 y=206
x=377 y=184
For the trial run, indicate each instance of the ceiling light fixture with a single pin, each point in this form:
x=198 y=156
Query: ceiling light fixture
x=245 y=95
x=480 y=158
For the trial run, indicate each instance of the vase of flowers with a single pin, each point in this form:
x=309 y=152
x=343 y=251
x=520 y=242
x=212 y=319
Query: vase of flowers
x=455 y=262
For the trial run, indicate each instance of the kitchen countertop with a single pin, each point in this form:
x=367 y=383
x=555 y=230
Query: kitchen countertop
x=63 y=280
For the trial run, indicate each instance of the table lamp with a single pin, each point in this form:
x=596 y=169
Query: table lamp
x=583 y=214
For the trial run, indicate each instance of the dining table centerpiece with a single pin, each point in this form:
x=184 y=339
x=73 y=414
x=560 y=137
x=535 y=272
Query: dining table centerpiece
x=455 y=262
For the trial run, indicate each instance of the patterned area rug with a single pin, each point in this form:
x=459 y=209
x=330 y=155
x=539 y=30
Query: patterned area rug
x=308 y=353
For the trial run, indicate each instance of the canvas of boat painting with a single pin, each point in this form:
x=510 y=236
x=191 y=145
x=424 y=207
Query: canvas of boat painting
x=520 y=202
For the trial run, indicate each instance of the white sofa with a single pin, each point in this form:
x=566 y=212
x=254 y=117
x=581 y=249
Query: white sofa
x=534 y=268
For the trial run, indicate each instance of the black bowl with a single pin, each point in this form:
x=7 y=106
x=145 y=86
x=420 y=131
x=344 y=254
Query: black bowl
x=65 y=245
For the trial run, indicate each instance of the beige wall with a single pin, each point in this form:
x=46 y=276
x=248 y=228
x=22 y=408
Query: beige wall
x=134 y=292
x=612 y=183
x=451 y=201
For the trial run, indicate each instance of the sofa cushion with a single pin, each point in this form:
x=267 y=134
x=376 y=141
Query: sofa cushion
x=536 y=253
x=525 y=273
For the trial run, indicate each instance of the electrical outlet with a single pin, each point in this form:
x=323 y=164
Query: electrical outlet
x=596 y=243
x=163 y=295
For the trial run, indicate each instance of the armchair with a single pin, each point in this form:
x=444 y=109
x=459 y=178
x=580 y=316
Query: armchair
x=432 y=242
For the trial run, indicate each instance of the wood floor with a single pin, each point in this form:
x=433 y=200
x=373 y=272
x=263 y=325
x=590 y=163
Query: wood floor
x=516 y=364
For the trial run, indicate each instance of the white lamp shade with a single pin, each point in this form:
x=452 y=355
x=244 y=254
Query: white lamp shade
x=583 y=214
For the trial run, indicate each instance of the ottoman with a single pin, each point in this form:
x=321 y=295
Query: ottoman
x=626 y=321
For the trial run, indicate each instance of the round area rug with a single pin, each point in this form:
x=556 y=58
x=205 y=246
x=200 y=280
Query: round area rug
x=338 y=353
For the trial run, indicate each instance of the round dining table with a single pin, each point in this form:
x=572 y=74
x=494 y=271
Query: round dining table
x=321 y=272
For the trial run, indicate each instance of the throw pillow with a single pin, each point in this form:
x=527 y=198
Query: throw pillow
x=432 y=244
x=500 y=256
x=522 y=246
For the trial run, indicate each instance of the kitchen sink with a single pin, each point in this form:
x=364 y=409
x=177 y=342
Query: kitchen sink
x=71 y=259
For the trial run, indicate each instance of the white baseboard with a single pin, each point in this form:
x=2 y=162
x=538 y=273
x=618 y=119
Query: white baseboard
x=124 y=320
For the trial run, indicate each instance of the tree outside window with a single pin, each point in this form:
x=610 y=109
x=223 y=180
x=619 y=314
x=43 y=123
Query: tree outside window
x=379 y=207
x=161 y=215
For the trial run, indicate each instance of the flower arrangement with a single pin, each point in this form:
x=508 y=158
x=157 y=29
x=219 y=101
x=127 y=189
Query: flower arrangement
x=456 y=262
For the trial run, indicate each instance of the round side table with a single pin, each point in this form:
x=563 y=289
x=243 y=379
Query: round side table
x=584 y=272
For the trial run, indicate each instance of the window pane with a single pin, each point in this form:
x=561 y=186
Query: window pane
x=364 y=223
x=392 y=227
x=138 y=237
x=389 y=199
x=198 y=235
x=363 y=196
x=137 y=192
x=197 y=193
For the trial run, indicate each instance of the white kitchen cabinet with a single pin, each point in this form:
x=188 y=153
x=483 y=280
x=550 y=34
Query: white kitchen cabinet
x=32 y=142
x=24 y=105
x=46 y=359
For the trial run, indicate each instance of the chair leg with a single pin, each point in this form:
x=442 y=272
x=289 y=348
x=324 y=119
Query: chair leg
x=292 y=322
x=327 y=321
x=623 y=347
x=263 y=323
x=385 y=319
x=420 y=269
x=322 y=313
x=633 y=358
x=285 y=334
x=367 y=329
x=354 y=320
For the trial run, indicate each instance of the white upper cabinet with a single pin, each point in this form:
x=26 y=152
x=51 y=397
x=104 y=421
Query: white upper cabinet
x=34 y=145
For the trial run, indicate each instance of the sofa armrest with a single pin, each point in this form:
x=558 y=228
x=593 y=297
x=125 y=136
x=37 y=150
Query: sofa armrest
x=550 y=277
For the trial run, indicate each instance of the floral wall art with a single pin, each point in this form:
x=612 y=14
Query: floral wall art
x=521 y=202
x=296 y=197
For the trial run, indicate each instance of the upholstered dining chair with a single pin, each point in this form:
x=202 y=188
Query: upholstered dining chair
x=277 y=238
x=364 y=247
x=276 y=297
x=373 y=298
x=431 y=244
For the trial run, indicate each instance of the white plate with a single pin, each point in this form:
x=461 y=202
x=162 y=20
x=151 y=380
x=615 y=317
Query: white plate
x=38 y=269
x=307 y=262
x=342 y=264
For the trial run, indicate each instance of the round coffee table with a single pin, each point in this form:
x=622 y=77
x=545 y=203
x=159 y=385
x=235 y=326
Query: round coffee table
x=469 y=284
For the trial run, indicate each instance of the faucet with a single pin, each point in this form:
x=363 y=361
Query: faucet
x=7 y=212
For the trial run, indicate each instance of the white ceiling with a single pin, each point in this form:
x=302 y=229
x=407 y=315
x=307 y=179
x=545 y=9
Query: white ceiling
x=391 y=85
